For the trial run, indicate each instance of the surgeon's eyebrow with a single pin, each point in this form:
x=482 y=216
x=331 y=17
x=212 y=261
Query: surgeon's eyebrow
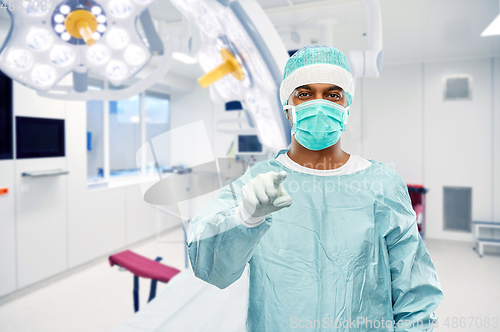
x=331 y=88
x=334 y=88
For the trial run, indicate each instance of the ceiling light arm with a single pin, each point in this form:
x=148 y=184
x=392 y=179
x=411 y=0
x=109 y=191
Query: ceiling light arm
x=80 y=79
x=368 y=63
x=154 y=40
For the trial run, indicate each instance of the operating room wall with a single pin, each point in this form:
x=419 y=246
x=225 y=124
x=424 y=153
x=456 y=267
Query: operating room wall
x=391 y=115
x=40 y=203
x=102 y=220
x=496 y=139
x=196 y=105
x=124 y=136
x=406 y=124
x=7 y=229
x=50 y=225
x=205 y=105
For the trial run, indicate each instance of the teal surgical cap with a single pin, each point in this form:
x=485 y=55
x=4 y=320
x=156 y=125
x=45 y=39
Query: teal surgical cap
x=317 y=64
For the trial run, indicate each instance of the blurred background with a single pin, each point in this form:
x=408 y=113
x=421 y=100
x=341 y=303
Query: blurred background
x=84 y=115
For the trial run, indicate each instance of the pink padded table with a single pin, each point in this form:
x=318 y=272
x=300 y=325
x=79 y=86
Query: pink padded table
x=143 y=267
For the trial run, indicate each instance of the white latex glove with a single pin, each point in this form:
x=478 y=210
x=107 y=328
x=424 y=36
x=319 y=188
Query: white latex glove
x=261 y=196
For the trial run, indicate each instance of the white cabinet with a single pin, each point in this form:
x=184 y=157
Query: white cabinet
x=41 y=220
x=141 y=218
x=7 y=229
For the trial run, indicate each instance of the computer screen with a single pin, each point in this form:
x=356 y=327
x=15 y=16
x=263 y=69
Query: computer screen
x=5 y=117
x=249 y=144
x=39 y=137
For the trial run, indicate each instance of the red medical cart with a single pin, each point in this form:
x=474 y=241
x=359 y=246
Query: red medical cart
x=417 y=195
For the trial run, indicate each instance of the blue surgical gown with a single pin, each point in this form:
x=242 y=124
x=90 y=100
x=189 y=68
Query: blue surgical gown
x=345 y=256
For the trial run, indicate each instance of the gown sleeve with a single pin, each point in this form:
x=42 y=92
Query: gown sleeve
x=219 y=245
x=415 y=287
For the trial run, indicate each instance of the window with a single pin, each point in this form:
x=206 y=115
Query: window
x=95 y=137
x=157 y=114
x=115 y=133
x=124 y=135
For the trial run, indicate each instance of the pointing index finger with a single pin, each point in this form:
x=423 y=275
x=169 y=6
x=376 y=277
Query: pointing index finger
x=279 y=177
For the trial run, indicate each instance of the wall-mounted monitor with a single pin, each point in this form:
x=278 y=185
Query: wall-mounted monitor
x=39 y=137
x=249 y=144
x=234 y=105
x=5 y=117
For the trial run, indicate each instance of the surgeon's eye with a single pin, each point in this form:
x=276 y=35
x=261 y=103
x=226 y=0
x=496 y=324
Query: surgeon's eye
x=334 y=96
x=303 y=94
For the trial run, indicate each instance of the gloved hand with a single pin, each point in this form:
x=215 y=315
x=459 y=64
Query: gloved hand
x=264 y=194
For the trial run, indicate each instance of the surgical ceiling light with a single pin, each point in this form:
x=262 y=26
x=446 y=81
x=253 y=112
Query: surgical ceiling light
x=243 y=57
x=46 y=43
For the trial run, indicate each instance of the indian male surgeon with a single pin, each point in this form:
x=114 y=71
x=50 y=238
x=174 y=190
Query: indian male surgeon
x=331 y=238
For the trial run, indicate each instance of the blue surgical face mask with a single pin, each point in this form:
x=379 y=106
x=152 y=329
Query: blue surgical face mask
x=318 y=124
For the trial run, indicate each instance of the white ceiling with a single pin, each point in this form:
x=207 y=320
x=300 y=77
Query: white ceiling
x=413 y=30
x=428 y=30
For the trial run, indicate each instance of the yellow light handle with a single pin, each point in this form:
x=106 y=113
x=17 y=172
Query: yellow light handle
x=216 y=74
x=81 y=24
x=86 y=33
x=229 y=66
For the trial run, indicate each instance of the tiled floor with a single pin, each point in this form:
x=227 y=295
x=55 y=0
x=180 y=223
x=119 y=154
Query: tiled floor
x=100 y=297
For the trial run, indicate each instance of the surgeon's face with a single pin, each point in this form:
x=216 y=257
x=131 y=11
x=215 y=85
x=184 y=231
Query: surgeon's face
x=308 y=92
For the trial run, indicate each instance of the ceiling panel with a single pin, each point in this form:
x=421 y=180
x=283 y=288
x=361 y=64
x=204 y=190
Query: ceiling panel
x=412 y=30
x=326 y=2
x=458 y=41
x=405 y=14
x=347 y=14
x=272 y=3
x=164 y=10
x=5 y=23
x=452 y=12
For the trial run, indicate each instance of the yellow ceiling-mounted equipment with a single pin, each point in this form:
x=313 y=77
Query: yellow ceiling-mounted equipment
x=229 y=66
x=81 y=24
